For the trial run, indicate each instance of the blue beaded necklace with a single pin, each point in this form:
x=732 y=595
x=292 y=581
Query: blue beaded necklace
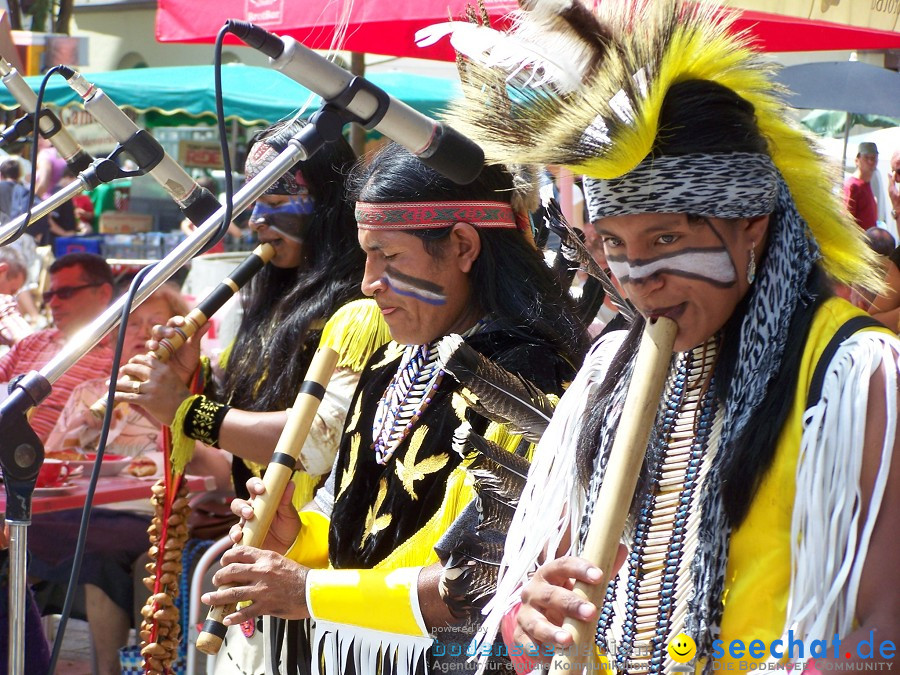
x=405 y=399
x=625 y=654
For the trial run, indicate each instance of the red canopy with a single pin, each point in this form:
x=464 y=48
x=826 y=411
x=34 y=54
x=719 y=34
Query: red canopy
x=381 y=27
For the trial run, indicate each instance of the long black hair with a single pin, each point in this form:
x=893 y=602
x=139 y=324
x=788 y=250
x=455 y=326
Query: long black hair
x=283 y=306
x=515 y=287
x=699 y=116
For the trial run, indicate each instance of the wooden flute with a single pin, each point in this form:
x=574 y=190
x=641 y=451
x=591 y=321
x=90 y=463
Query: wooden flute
x=276 y=478
x=211 y=304
x=619 y=482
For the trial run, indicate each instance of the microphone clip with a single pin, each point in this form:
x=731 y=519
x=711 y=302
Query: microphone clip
x=345 y=98
x=25 y=125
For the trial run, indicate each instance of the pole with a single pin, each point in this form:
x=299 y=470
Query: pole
x=357 y=133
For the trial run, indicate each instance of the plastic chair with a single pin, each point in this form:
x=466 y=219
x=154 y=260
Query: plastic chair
x=196 y=609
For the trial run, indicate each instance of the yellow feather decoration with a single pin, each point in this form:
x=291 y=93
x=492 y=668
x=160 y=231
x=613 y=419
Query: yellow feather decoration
x=609 y=126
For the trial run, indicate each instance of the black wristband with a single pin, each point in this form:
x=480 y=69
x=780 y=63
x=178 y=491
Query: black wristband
x=204 y=419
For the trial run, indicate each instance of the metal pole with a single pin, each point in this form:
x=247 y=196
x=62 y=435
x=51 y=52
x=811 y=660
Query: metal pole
x=357 y=133
x=18 y=587
x=41 y=209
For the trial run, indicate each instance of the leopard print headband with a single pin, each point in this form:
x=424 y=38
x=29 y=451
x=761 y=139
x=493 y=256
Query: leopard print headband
x=728 y=185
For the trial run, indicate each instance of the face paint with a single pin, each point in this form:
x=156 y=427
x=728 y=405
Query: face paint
x=289 y=218
x=712 y=265
x=413 y=287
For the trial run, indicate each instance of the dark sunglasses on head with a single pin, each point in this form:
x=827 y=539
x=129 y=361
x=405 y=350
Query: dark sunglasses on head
x=66 y=292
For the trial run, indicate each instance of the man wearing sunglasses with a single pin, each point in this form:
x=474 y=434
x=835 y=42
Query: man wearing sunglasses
x=81 y=287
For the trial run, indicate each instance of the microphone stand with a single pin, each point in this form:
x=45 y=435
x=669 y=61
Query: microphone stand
x=21 y=451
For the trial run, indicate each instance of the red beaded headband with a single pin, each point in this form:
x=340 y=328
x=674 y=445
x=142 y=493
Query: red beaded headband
x=433 y=215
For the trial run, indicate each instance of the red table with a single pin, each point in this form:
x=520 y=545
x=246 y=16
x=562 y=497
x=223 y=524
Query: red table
x=110 y=489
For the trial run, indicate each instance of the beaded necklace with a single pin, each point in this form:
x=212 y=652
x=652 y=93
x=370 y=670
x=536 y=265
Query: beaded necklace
x=408 y=395
x=646 y=605
x=405 y=399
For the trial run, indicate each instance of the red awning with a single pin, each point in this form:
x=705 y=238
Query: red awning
x=778 y=33
x=381 y=27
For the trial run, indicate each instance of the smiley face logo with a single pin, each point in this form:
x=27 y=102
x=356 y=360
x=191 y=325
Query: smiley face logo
x=682 y=648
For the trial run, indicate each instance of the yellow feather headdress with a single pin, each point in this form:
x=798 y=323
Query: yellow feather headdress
x=521 y=104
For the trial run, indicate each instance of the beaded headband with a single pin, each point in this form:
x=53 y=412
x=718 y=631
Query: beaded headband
x=722 y=185
x=434 y=215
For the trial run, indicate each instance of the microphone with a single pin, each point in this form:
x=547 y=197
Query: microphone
x=48 y=123
x=197 y=203
x=434 y=143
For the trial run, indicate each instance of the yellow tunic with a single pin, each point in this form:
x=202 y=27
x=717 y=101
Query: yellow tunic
x=758 y=573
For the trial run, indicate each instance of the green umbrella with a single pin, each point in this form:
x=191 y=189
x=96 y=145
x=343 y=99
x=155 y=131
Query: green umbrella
x=833 y=123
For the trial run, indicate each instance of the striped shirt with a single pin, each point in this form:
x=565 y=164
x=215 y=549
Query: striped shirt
x=36 y=351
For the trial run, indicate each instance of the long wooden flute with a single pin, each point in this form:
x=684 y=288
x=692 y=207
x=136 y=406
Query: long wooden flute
x=619 y=482
x=276 y=478
x=212 y=303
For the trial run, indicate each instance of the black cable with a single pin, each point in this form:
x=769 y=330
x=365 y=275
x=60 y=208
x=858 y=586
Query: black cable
x=34 y=152
x=223 y=134
x=95 y=475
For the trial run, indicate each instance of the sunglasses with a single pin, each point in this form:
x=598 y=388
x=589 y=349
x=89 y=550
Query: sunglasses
x=66 y=292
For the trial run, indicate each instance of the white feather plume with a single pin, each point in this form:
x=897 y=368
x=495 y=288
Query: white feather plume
x=519 y=54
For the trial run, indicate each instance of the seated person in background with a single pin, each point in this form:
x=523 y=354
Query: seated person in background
x=81 y=287
x=117 y=536
x=13 y=327
x=132 y=432
x=881 y=241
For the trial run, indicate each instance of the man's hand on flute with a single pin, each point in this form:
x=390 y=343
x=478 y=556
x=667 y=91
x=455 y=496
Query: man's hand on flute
x=548 y=599
x=275 y=585
x=285 y=524
x=153 y=386
x=186 y=358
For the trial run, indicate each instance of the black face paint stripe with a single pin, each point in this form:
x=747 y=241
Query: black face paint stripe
x=423 y=284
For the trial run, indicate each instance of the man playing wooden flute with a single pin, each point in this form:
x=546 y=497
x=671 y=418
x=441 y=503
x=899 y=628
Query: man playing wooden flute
x=360 y=560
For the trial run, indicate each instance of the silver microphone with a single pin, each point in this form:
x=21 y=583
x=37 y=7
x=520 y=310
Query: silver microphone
x=50 y=126
x=434 y=143
x=196 y=202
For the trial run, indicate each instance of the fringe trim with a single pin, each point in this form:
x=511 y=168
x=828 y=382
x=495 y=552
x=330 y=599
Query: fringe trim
x=182 y=445
x=827 y=561
x=552 y=502
x=355 y=332
x=337 y=645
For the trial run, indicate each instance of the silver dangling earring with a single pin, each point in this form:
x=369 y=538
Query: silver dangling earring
x=751 y=266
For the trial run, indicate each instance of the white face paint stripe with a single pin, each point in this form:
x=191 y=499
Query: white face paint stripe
x=712 y=265
x=413 y=291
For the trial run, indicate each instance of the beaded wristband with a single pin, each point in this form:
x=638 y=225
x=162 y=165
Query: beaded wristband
x=204 y=419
